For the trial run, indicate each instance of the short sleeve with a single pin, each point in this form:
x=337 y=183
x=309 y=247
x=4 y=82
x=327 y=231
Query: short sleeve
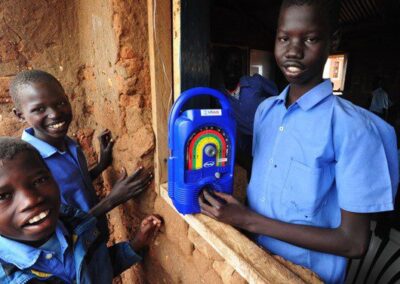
x=362 y=169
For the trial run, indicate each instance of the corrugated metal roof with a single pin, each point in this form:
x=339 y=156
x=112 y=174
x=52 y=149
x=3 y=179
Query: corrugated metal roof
x=354 y=11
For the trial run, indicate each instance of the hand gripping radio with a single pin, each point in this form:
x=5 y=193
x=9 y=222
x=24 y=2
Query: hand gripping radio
x=202 y=150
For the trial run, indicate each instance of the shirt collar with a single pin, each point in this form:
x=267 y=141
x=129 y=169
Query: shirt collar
x=312 y=97
x=45 y=149
x=24 y=256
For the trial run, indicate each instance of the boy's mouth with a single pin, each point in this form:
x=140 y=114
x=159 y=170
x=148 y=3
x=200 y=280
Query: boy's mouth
x=37 y=219
x=57 y=125
x=293 y=68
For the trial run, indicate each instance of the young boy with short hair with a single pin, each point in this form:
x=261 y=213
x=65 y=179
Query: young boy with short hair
x=39 y=240
x=321 y=164
x=40 y=100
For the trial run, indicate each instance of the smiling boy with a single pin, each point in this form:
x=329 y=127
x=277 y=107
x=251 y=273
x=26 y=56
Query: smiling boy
x=40 y=100
x=39 y=240
x=321 y=164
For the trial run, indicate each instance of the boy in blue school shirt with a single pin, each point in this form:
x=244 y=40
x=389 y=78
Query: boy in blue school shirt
x=41 y=241
x=40 y=100
x=321 y=164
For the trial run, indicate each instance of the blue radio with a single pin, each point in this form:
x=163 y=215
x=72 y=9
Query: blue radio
x=202 y=150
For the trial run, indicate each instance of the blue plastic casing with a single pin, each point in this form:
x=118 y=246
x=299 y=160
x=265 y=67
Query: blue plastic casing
x=185 y=184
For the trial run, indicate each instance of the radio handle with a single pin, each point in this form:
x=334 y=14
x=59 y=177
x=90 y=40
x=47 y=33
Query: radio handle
x=188 y=94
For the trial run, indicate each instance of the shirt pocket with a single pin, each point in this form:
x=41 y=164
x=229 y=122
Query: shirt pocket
x=305 y=189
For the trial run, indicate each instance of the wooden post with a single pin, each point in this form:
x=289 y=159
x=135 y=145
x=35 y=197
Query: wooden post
x=160 y=50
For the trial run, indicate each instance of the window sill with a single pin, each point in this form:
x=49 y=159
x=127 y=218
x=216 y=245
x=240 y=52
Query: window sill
x=252 y=262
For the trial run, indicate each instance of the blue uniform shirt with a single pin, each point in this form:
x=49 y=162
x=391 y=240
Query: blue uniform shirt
x=53 y=256
x=318 y=156
x=69 y=169
x=87 y=259
x=253 y=90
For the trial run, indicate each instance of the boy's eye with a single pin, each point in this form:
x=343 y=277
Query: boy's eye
x=5 y=196
x=40 y=180
x=39 y=109
x=311 y=40
x=282 y=39
x=62 y=103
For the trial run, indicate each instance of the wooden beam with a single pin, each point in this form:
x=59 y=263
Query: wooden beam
x=176 y=43
x=247 y=258
x=160 y=50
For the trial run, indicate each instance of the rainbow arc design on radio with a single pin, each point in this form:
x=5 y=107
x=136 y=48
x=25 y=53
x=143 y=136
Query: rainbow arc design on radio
x=196 y=145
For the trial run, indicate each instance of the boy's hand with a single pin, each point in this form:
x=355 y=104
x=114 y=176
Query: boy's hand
x=128 y=187
x=123 y=190
x=106 y=146
x=149 y=228
x=227 y=209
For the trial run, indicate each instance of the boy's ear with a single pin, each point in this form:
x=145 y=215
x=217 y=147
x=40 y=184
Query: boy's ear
x=335 y=40
x=18 y=114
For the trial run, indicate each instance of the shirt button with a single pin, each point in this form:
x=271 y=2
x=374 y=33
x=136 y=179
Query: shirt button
x=281 y=128
x=49 y=256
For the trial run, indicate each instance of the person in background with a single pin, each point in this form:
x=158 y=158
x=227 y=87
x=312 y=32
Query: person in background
x=380 y=102
x=244 y=93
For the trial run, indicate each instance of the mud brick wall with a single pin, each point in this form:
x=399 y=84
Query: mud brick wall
x=98 y=50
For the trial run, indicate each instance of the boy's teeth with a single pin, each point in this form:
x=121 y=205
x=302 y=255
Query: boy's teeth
x=39 y=217
x=293 y=69
x=57 y=125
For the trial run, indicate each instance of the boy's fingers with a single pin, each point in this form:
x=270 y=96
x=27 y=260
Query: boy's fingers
x=145 y=222
x=158 y=217
x=138 y=183
x=206 y=208
x=224 y=196
x=205 y=212
x=122 y=174
x=136 y=192
x=135 y=173
x=214 y=202
x=155 y=220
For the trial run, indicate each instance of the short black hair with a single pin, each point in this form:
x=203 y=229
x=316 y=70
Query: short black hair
x=10 y=147
x=26 y=78
x=330 y=8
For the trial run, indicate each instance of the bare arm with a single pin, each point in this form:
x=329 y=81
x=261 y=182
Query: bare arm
x=350 y=239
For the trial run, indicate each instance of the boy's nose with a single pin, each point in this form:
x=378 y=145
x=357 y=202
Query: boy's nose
x=29 y=199
x=295 y=50
x=53 y=113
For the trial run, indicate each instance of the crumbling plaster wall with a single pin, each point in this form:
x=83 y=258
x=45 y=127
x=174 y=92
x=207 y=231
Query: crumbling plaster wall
x=98 y=50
